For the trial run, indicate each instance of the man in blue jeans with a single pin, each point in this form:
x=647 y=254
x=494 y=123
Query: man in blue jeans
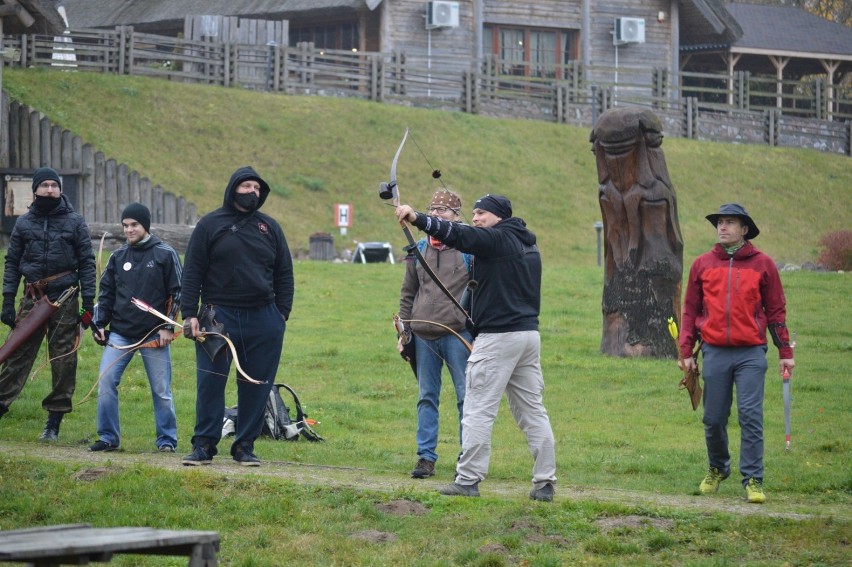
x=423 y=302
x=148 y=269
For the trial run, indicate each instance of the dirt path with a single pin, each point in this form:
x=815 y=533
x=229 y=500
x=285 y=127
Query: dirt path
x=387 y=481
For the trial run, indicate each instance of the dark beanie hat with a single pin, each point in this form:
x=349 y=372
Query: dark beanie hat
x=139 y=213
x=496 y=204
x=43 y=174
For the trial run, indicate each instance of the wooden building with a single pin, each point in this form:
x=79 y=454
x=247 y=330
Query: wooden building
x=527 y=36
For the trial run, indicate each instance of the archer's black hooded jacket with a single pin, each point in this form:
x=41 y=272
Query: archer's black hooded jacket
x=149 y=271
x=237 y=259
x=45 y=244
x=507 y=267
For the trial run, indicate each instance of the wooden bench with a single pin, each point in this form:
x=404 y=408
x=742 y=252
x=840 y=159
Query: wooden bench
x=79 y=544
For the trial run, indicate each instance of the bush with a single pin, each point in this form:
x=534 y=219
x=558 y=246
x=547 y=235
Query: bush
x=837 y=250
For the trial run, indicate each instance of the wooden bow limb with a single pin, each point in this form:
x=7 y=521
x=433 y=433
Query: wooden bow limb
x=200 y=337
x=458 y=336
x=393 y=187
x=141 y=343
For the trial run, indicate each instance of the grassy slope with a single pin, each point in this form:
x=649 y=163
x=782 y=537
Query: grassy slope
x=319 y=151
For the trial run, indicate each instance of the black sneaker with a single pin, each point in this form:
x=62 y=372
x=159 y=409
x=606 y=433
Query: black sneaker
x=201 y=455
x=166 y=449
x=101 y=445
x=423 y=469
x=245 y=457
x=543 y=494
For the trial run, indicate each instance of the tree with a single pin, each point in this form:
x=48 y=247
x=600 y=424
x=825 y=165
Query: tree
x=839 y=11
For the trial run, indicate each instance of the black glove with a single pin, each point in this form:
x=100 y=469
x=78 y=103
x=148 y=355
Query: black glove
x=187 y=330
x=97 y=339
x=8 y=316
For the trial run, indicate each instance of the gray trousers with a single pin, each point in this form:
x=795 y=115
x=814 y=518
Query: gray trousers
x=723 y=368
x=510 y=363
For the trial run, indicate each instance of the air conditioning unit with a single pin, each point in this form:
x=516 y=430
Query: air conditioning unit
x=629 y=30
x=441 y=14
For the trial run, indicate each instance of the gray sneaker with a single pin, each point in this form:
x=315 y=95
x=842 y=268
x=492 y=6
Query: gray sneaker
x=423 y=469
x=543 y=494
x=456 y=489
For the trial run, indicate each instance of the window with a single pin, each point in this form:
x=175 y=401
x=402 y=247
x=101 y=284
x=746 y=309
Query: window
x=531 y=52
x=333 y=36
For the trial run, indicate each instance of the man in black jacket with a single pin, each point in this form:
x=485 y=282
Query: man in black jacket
x=144 y=268
x=51 y=249
x=238 y=263
x=506 y=353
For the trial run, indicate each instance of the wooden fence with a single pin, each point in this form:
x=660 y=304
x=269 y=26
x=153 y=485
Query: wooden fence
x=737 y=108
x=104 y=188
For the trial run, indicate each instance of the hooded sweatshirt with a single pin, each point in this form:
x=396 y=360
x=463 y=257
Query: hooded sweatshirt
x=149 y=271
x=507 y=270
x=238 y=259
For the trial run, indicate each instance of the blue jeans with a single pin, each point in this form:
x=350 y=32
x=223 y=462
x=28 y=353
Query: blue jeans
x=431 y=354
x=158 y=366
x=724 y=368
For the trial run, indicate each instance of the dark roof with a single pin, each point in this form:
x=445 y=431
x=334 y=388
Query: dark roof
x=111 y=13
x=789 y=30
x=47 y=19
x=707 y=21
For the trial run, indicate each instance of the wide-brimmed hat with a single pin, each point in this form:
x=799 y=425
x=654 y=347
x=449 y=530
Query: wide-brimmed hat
x=735 y=210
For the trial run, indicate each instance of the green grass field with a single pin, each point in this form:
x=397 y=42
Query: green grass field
x=630 y=451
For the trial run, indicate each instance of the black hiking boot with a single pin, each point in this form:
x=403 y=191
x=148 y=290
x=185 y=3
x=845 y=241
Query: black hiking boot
x=51 y=428
x=423 y=469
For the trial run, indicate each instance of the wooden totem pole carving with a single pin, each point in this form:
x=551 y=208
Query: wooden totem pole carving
x=643 y=247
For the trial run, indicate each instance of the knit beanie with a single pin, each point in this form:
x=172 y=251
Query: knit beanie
x=43 y=174
x=139 y=213
x=496 y=204
x=445 y=198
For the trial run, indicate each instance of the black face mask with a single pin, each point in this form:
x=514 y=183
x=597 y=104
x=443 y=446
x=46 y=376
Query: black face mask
x=45 y=204
x=248 y=201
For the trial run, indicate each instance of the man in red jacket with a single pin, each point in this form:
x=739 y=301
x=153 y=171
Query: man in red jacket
x=733 y=296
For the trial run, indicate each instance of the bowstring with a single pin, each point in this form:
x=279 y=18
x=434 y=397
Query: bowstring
x=436 y=173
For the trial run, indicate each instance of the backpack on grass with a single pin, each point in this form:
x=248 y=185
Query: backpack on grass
x=277 y=422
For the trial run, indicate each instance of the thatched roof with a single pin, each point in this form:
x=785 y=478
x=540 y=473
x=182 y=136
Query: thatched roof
x=44 y=13
x=144 y=13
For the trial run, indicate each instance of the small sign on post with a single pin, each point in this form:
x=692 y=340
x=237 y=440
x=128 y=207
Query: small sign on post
x=343 y=217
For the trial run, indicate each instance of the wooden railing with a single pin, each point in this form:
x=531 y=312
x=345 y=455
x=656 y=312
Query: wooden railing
x=105 y=186
x=567 y=93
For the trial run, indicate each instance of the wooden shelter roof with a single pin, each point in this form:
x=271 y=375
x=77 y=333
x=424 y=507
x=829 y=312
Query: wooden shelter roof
x=803 y=40
x=47 y=19
x=144 y=13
